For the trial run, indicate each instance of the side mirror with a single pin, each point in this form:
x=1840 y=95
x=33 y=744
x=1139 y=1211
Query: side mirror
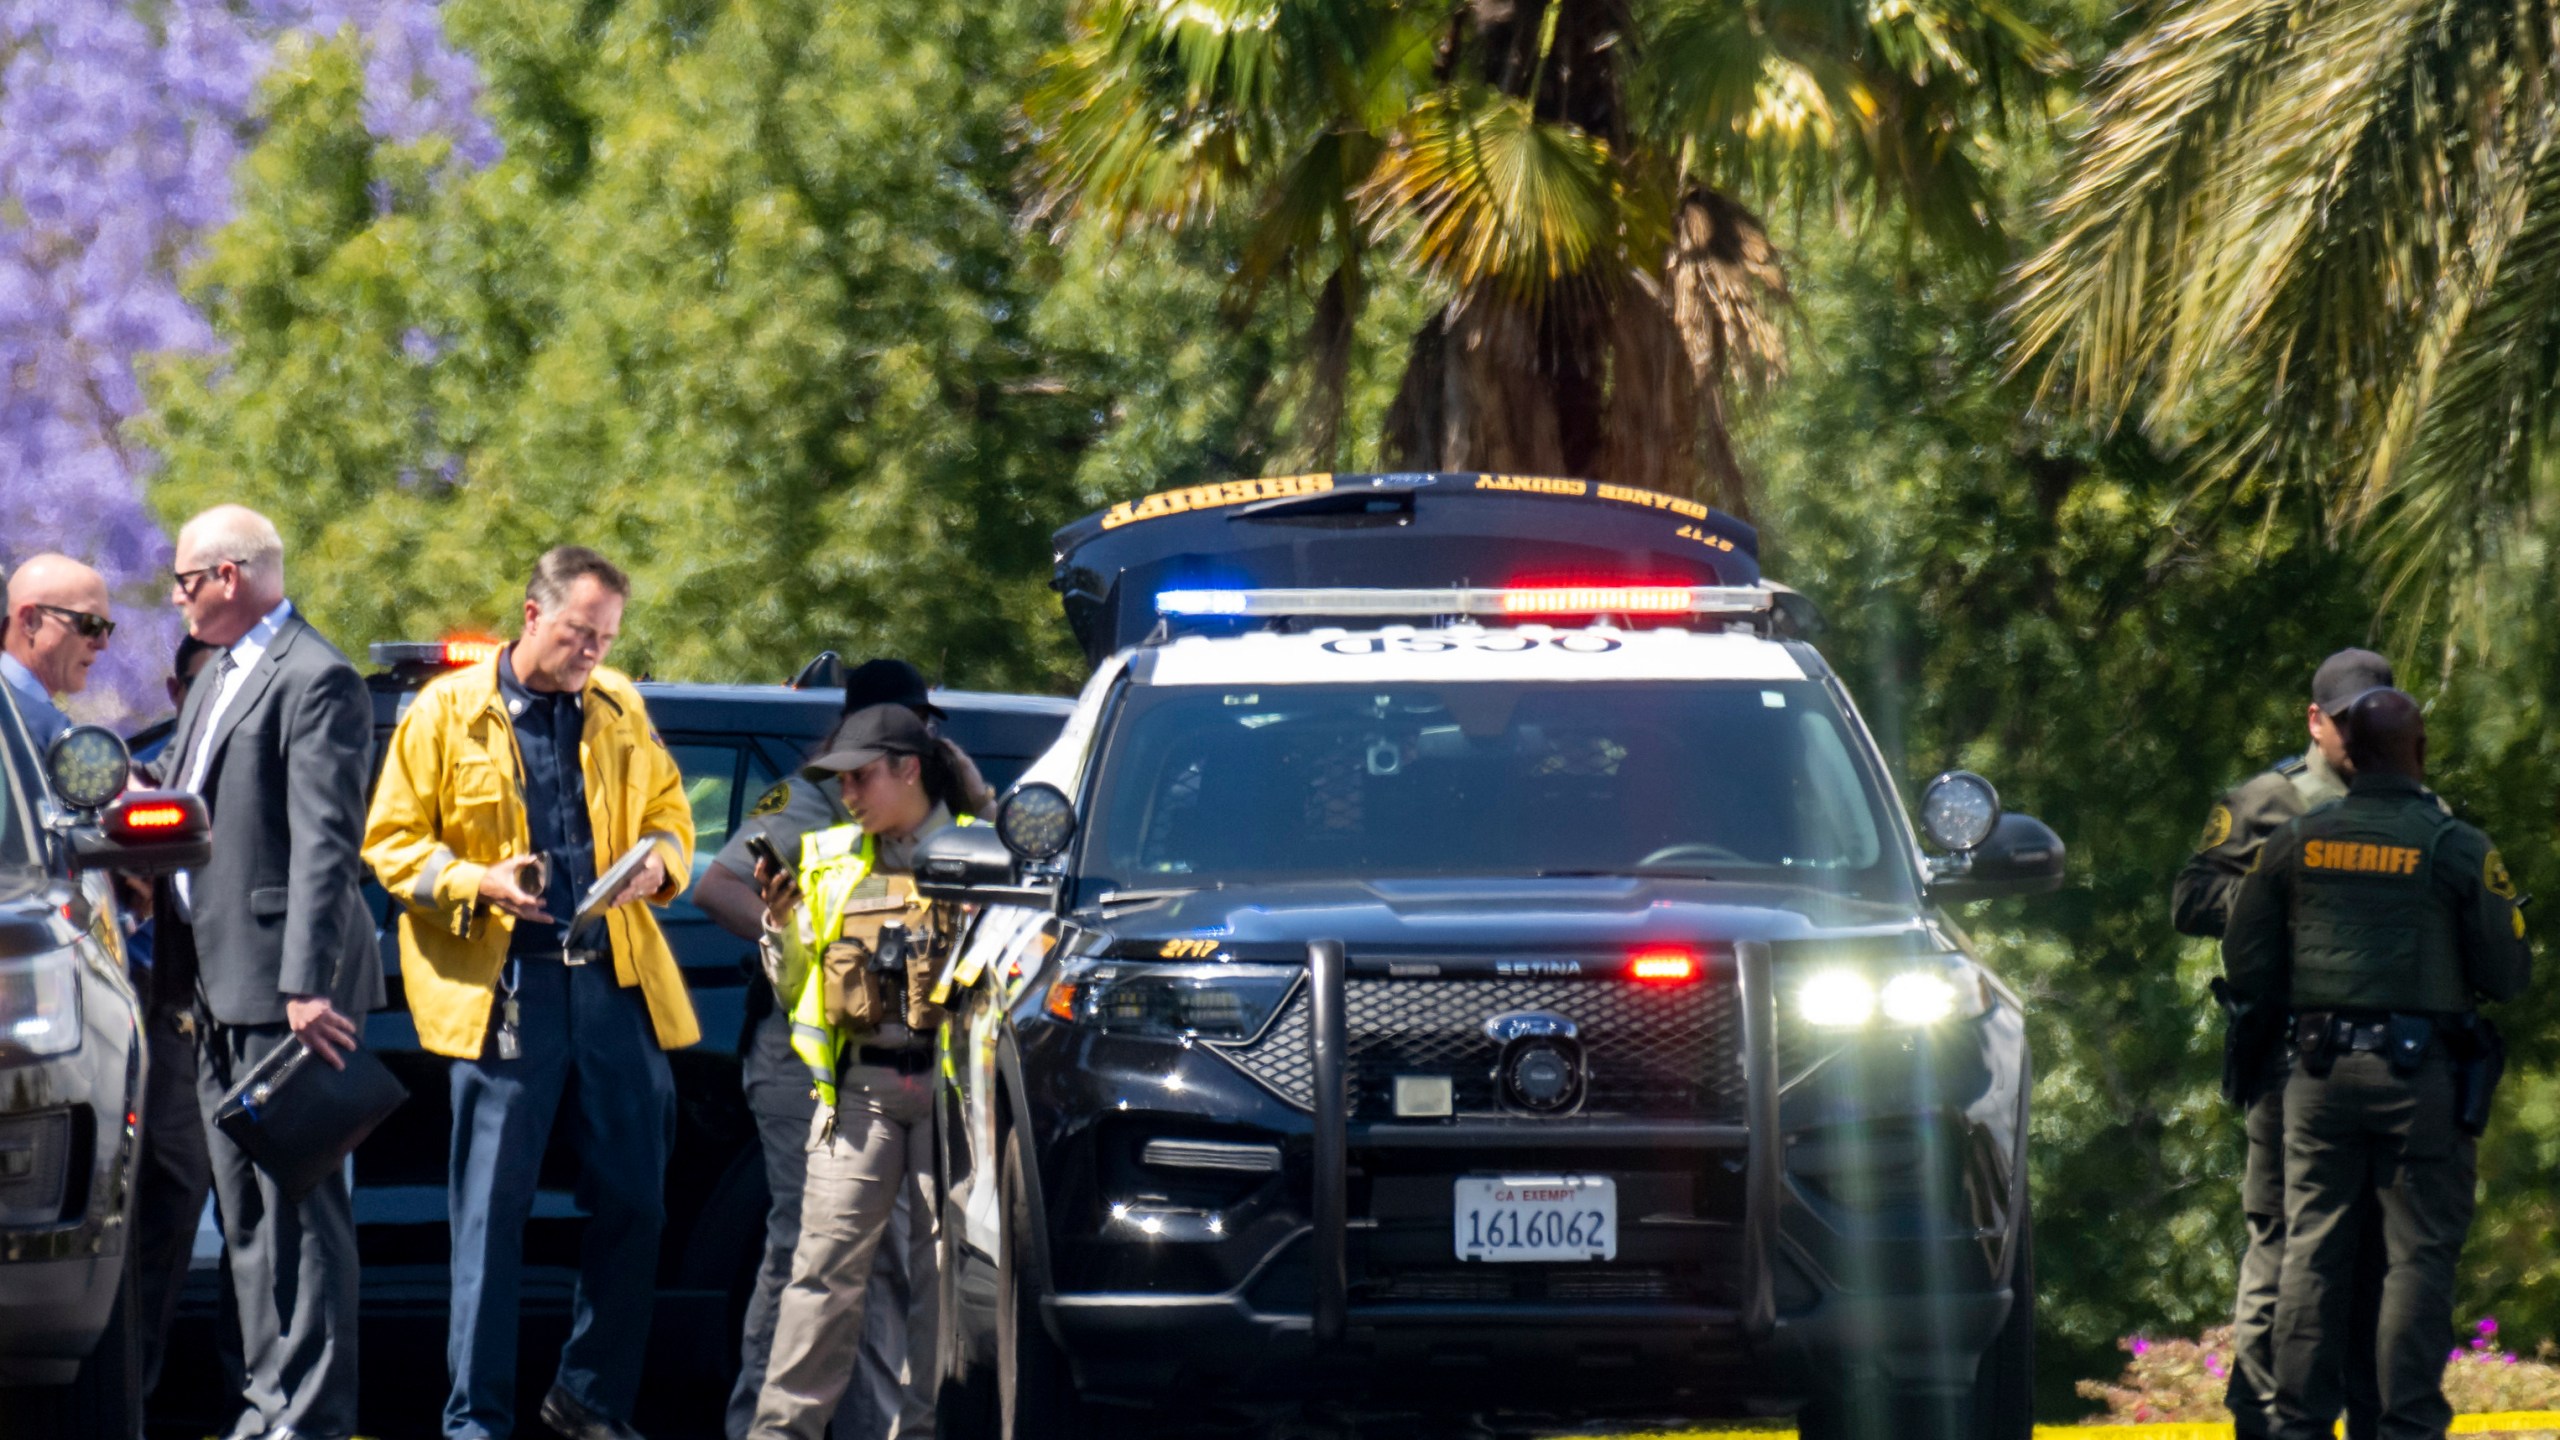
x=969 y=865
x=2022 y=856
x=146 y=832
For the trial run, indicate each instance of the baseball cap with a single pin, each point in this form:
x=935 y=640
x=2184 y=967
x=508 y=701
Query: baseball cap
x=887 y=682
x=2346 y=677
x=865 y=736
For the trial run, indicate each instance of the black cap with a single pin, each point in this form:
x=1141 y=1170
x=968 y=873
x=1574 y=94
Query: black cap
x=888 y=682
x=865 y=736
x=2346 y=677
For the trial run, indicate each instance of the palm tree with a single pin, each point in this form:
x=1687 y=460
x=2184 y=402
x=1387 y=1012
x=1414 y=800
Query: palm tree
x=2317 y=242
x=1570 y=174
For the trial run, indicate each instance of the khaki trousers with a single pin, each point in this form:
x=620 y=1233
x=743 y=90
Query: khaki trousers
x=877 y=1143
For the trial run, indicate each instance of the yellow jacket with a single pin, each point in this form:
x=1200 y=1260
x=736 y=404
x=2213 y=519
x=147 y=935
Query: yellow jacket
x=450 y=803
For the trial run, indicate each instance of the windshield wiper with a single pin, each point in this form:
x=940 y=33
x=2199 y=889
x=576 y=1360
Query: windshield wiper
x=1625 y=872
x=1109 y=898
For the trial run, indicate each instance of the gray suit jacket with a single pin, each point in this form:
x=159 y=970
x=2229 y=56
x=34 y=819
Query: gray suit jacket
x=277 y=909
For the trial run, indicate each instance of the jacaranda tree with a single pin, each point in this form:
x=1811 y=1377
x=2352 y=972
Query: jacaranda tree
x=120 y=125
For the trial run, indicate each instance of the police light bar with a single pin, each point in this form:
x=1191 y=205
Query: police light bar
x=1512 y=601
x=457 y=650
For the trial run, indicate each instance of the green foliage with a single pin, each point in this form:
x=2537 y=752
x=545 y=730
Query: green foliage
x=2320 y=242
x=2022 y=602
x=745 y=306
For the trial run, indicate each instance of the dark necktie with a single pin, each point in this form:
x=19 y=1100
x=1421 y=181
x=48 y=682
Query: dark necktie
x=211 y=682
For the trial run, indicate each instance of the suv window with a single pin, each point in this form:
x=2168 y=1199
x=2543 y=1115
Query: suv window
x=1752 y=781
x=711 y=786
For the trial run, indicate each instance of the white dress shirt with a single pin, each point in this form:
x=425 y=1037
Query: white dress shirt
x=245 y=652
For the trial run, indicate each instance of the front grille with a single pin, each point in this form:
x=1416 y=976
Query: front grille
x=1647 y=1050
x=1481 y=1284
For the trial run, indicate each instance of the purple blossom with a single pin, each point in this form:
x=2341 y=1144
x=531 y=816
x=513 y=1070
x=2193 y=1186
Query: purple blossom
x=120 y=126
x=2214 y=1366
x=2139 y=1346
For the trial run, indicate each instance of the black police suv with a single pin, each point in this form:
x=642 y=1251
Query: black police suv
x=71 y=1074
x=1466 y=968
x=733 y=744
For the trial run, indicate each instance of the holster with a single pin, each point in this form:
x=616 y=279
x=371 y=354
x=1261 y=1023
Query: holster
x=2479 y=1055
x=2412 y=1036
x=2315 y=1042
x=2252 y=1033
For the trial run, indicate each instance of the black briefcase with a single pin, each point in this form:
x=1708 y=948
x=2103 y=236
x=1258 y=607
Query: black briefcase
x=298 y=1117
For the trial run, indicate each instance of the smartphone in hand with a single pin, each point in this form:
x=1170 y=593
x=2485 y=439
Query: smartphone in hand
x=760 y=846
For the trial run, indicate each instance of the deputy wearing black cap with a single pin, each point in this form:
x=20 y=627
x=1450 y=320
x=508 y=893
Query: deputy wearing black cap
x=2254 y=1068
x=777 y=1087
x=841 y=944
x=2377 y=922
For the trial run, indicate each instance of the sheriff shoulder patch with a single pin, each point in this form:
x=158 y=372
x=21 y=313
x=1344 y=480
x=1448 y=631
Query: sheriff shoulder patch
x=2217 y=827
x=772 y=801
x=2494 y=875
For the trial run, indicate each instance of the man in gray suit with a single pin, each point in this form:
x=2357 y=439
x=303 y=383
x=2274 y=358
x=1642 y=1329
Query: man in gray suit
x=277 y=737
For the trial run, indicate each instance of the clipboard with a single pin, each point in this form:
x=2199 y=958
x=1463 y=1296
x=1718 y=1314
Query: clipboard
x=599 y=896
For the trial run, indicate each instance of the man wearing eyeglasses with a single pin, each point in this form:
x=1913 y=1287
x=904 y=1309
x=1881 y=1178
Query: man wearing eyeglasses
x=57 y=629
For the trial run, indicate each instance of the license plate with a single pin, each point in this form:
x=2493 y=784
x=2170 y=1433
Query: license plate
x=1537 y=1217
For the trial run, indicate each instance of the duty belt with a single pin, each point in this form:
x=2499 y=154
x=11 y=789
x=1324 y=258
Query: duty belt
x=905 y=1062
x=2359 y=1036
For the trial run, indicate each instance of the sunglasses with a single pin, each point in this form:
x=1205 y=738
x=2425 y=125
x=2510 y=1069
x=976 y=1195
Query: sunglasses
x=91 y=627
x=188 y=580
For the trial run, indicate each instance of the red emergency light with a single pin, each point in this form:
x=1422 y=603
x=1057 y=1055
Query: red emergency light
x=469 y=649
x=154 y=817
x=1666 y=965
x=1540 y=599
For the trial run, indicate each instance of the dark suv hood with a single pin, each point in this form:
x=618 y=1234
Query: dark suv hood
x=1424 y=915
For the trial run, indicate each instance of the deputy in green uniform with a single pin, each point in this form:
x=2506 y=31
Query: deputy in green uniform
x=2377 y=921
x=2200 y=904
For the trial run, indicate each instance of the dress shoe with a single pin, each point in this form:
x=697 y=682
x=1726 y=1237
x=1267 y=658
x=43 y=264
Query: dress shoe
x=574 y=1421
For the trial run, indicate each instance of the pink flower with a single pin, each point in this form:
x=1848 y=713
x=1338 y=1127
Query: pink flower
x=2213 y=1363
x=2139 y=1346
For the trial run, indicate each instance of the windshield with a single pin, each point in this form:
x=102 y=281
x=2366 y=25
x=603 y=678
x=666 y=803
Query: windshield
x=1752 y=781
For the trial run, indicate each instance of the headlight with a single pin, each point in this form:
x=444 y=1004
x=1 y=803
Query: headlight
x=1836 y=999
x=40 y=1005
x=1913 y=995
x=1212 y=1002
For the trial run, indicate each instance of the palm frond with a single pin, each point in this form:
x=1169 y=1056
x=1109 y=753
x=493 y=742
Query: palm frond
x=1484 y=193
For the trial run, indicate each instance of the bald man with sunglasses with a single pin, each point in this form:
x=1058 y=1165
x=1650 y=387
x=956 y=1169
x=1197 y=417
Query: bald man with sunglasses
x=57 y=629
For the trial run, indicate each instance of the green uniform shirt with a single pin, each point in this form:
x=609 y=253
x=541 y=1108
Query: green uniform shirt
x=2200 y=902
x=790 y=809
x=2379 y=901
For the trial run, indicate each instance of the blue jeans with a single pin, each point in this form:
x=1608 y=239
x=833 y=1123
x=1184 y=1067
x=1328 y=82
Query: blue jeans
x=588 y=1050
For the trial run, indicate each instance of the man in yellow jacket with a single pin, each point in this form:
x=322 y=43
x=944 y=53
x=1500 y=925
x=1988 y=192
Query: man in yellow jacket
x=509 y=789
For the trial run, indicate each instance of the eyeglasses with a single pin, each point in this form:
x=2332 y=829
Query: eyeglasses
x=91 y=627
x=187 y=580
